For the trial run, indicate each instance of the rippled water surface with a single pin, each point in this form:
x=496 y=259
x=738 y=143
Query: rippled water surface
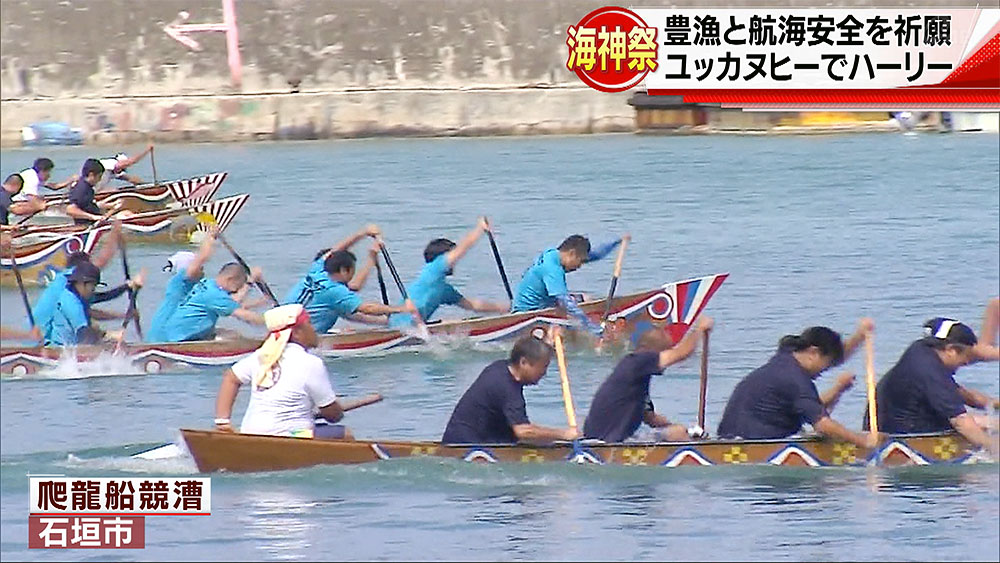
x=814 y=230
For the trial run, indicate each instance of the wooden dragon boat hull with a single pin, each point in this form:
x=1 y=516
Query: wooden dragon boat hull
x=675 y=306
x=239 y=453
x=41 y=251
x=148 y=197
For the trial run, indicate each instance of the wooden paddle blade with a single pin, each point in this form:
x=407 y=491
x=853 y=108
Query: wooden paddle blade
x=870 y=382
x=564 y=378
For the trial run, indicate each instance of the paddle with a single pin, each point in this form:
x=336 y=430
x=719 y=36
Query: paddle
x=152 y=162
x=870 y=380
x=261 y=285
x=703 y=391
x=564 y=378
x=20 y=286
x=421 y=326
x=614 y=279
x=496 y=256
x=132 y=310
x=362 y=402
x=381 y=282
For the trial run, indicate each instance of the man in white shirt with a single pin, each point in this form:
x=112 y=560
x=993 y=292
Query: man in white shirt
x=115 y=168
x=287 y=383
x=36 y=177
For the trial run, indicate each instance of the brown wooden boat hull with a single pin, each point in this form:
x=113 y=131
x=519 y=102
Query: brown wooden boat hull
x=219 y=451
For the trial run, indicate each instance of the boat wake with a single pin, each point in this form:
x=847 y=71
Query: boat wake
x=107 y=364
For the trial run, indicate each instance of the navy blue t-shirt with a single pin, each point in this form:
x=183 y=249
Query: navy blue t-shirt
x=5 y=202
x=919 y=394
x=82 y=195
x=618 y=406
x=773 y=402
x=489 y=409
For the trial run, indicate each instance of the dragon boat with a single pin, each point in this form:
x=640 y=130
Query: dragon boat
x=675 y=306
x=146 y=197
x=40 y=251
x=222 y=451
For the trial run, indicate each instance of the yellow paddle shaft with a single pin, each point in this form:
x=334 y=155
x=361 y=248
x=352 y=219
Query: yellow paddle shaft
x=564 y=377
x=621 y=257
x=870 y=380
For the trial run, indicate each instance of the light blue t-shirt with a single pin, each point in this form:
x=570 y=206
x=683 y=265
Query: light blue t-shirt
x=45 y=307
x=541 y=284
x=325 y=300
x=177 y=289
x=428 y=292
x=69 y=315
x=198 y=312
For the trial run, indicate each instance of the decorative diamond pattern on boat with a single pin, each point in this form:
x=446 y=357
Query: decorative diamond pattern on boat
x=845 y=453
x=686 y=456
x=794 y=455
x=946 y=448
x=735 y=455
x=422 y=451
x=532 y=456
x=634 y=456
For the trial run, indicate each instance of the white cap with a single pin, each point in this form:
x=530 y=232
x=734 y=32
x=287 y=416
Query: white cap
x=179 y=261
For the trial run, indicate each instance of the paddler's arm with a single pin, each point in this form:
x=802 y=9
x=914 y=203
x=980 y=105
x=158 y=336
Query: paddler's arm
x=380 y=309
x=976 y=399
x=603 y=250
x=361 y=277
x=115 y=292
x=833 y=429
x=195 y=268
x=379 y=320
x=123 y=165
x=482 y=306
x=577 y=313
x=463 y=246
x=32 y=205
x=534 y=433
x=89 y=335
x=228 y=391
x=369 y=231
x=332 y=412
x=64 y=184
x=865 y=326
x=832 y=395
x=109 y=248
x=75 y=212
x=687 y=345
x=966 y=425
x=991 y=322
x=248 y=316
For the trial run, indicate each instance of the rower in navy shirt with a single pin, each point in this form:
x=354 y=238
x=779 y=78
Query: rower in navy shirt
x=920 y=394
x=492 y=410
x=776 y=399
x=622 y=402
x=82 y=207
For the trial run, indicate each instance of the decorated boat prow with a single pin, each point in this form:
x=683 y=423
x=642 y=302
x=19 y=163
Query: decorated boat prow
x=214 y=451
x=40 y=251
x=149 y=197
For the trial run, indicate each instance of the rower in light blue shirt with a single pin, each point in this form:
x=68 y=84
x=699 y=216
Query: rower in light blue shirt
x=188 y=269
x=328 y=290
x=544 y=283
x=431 y=289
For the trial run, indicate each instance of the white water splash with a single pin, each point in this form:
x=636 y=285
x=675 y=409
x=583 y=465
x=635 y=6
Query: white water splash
x=107 y=364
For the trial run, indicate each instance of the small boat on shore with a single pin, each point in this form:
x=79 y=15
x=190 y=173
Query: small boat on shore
x=675 y=306
x=41 y=250
x=240 y=453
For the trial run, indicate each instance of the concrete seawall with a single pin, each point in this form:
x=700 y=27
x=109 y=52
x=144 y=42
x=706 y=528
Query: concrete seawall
x=359 y=67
